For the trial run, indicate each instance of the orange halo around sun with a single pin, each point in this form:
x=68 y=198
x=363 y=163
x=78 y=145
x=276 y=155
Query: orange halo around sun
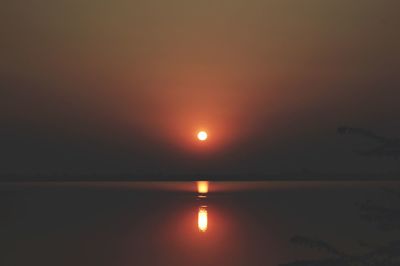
x=202 y=136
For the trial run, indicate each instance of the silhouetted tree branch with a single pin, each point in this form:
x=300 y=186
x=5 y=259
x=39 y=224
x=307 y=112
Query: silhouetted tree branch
x=385 y=218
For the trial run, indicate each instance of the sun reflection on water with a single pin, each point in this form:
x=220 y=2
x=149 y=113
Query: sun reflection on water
x=202 y=217
x=202 y=187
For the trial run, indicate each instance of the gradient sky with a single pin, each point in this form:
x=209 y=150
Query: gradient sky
x=122 y=86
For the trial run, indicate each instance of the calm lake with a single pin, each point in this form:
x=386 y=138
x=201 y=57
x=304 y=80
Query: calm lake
x=185 y=223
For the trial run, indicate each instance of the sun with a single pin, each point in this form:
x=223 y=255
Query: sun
x=202 y=136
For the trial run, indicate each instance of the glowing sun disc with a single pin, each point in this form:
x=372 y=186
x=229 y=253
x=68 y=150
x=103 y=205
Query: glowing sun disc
x=202 y=135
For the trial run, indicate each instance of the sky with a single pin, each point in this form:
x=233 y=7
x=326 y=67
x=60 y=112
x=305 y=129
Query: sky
x=113 y=87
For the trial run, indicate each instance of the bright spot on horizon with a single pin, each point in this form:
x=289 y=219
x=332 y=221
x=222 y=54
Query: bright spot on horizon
x=202 y=187
x=202 y=135
x=202 y=221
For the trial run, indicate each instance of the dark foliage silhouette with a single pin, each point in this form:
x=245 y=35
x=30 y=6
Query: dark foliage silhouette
x=388 y=254
x=386 y=217
x=388 y=147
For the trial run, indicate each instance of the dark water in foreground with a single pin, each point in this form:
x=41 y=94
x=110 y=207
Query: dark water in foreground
x=155 y=223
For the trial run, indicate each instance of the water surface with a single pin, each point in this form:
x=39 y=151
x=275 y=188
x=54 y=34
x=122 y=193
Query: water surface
x=156 y=223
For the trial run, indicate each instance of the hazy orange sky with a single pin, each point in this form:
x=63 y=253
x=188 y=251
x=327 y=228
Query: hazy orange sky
x=265 y=78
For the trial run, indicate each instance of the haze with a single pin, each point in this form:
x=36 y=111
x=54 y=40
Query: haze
x=122 y=86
